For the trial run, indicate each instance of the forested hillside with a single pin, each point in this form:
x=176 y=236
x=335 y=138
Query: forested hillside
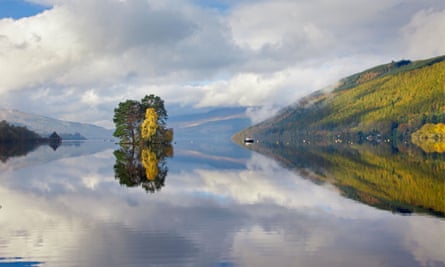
x=391 y=101
x=332 y=136
x=14 y=134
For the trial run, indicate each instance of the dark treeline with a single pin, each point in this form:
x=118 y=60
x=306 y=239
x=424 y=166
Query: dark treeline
x=16 y=141
x=16 y=134
x=11 y=134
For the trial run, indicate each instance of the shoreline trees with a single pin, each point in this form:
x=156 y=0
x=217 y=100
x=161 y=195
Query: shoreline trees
x=19 y=140
x=13 y=134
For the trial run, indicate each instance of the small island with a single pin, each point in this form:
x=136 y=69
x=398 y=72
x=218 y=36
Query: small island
x=144 y=143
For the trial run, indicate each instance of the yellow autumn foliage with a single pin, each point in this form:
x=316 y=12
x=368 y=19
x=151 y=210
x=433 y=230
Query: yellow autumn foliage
x=150 y=163
x=150 y=124
x=431 y=137
x=391 y=178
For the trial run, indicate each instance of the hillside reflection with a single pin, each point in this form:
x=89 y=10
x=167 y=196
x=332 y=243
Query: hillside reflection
x=11 y=150
x=66 y=207
x=378 y=176
x=142 y=166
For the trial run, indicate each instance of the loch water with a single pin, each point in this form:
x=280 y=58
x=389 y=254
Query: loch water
x=218 y=205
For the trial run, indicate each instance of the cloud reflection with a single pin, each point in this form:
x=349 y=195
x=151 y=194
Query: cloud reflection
x=72 y=211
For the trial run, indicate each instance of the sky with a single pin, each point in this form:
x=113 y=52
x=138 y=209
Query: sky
x=76 y=60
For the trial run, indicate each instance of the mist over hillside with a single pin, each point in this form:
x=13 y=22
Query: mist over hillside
x=206 y=136
x=218 y=124
x=45 y=125
x=391 y=100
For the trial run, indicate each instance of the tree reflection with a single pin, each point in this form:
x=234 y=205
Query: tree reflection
x=11 y=150
x=143 y=166
x=403 y=182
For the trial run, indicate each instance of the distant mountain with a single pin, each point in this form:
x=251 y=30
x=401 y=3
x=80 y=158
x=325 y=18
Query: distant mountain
x=218 y=124
x=206 y=136
x=388 y=102
x=44 y=126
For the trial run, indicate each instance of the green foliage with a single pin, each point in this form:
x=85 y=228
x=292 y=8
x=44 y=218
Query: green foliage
x=126 y=121
x=15 y=134
x=145 y=142
x=405 y=98
x=390 y=102
x=395 y=99
x=386 y=69
x=129 y=116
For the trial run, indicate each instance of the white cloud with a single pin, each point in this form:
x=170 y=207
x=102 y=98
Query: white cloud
x=90 y=97
x=33 y=50
x=254 y=53
x=421 y=242
x=425 y=34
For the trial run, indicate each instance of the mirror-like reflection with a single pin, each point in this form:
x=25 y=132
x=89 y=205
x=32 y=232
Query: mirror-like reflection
x=11 y=150
x=69 y=211
x=377 y=175
x=143 y=166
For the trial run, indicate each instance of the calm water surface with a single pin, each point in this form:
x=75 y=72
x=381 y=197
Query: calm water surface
x=220 y=206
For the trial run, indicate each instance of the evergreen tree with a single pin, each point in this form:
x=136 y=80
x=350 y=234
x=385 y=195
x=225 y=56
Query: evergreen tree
x=130 y=115
x=127 y=122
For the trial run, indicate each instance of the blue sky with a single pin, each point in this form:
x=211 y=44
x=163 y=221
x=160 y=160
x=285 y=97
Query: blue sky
x=77 y=60
x=219 y=5
x=18 y=9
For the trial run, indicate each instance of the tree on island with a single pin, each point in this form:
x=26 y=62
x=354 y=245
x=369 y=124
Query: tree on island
x=144 y=143
x=133 y=117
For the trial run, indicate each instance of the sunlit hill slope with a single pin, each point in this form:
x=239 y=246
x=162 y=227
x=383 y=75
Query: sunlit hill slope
x=393 y=100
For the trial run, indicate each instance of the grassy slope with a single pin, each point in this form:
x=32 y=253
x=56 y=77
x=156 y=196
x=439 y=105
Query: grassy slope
x=394 y=99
